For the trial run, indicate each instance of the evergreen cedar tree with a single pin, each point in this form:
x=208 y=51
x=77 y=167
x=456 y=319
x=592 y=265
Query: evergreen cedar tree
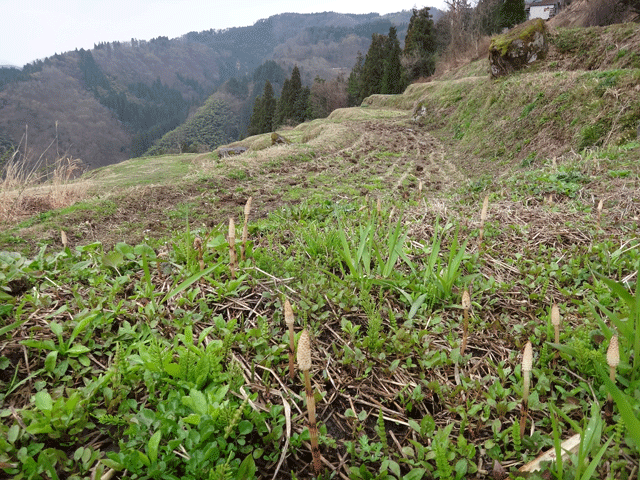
x=420 y=44
x=293 y=107
x=264 y=109
x=381 y=70
x=512 y=12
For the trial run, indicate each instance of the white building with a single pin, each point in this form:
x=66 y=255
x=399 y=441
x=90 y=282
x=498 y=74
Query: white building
x=544 y=9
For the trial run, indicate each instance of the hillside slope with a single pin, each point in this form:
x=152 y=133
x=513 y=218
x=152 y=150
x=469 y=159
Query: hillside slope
x=143 y=89
x=476 y=130
x=136 y=336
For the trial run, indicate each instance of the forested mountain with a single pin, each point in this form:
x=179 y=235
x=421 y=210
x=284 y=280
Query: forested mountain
x=112 y=102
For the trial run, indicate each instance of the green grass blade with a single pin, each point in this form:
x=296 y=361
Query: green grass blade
x=82 y=325
x=631 y=422
x=588 y=473
x=189 y=281
x=8 y=328
x=557 y=442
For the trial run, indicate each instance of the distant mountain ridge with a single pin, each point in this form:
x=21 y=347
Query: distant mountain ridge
x=112 y=102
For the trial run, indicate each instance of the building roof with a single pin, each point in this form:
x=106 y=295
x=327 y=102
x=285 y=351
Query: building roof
x=544 y=3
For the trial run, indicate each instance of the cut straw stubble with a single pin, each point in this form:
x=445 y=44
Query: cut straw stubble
x=304 y=364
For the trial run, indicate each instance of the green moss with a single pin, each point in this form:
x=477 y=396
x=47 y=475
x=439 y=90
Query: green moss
x=524 y=32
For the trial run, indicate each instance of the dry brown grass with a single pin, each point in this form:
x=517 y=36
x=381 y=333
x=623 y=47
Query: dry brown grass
x=27 y=191
x=451 y=60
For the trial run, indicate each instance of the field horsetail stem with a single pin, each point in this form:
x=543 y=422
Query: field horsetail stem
x=289 y=319
x=245 y=229
x=197 y=245
x=527 y=364
x=466 y=306
x=613 y=360
x=600 y=205
x=304 y=364
x=483 y=218
x=233 y=258
x=555 y=321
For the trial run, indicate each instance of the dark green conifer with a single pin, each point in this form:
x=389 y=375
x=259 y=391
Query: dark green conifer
x=512 y=13
x=354 y=83
x=269 y=107
x=286 y=109
x=420 y=44
x=393 y=77
x=283 y=106
x=373 y=69
x=257 y=117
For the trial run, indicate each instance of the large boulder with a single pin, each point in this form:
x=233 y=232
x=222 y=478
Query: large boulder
x=518 y=48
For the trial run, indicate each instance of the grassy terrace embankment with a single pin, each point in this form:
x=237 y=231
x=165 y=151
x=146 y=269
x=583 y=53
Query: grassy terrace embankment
x=131 y=352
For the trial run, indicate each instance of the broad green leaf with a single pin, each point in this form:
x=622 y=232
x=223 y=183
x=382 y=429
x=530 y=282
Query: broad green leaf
x=154 y=442
x=193 y=419
x=415 y=474
x=415 y=425
x=144 y=249
x=36 y=428
x=56 y=328
x=78 y=350
x=143 y=458
x=216 y=242
x=50 y=361
x=172 y=369
x=110 y=463
x=43 y=401
x=39 y=344
x=125 y=249
x=45 y=462
x=77 y=455
x=71 y=402
x=12 y=434
x=415 y=306
x=395 y=468
x=5 y=309
x=245 y=427
x=221 y=392
x=113 y=259
x=247 y=468
x=199 y=402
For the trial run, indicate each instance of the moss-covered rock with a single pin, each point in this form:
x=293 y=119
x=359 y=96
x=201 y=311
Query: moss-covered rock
x=279 y=139
x=419 y=112
x=518 y=47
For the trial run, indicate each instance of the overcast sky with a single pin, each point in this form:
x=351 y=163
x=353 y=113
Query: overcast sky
x=35 y=29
